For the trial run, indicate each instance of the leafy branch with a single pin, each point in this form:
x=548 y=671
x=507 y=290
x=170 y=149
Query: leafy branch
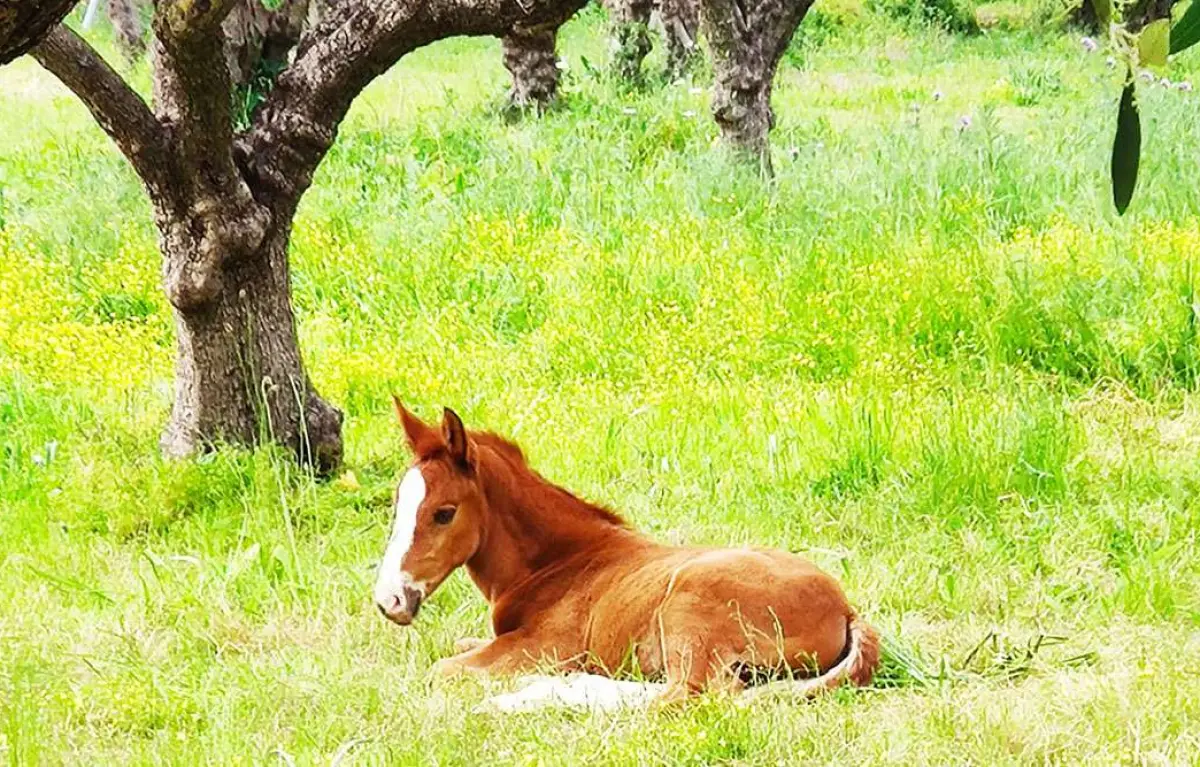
x=1147 y=39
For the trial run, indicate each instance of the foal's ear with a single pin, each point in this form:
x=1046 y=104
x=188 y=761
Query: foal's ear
x=458 y=444
x=422 y=439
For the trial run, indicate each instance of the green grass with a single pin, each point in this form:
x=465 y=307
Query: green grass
x=934 y=361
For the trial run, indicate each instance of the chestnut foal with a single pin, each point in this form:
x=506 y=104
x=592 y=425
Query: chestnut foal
x=571 y=584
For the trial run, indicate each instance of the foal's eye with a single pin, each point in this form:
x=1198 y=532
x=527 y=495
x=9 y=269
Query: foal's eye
x=443 y=515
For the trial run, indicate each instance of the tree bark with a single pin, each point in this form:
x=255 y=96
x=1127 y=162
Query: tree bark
x=681 y=23
x=747 y=38
x=23 y=24
x=239 y=376
x=529 y=56
x=631 y=37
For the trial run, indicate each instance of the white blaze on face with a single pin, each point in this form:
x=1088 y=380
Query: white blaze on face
x=392 y=580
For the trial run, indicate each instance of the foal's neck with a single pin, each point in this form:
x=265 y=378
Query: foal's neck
x=531 y=525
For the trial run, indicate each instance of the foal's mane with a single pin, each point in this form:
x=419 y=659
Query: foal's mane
x=514 y=460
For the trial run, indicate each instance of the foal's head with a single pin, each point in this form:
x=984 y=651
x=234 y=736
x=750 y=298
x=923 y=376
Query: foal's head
x=438 y=514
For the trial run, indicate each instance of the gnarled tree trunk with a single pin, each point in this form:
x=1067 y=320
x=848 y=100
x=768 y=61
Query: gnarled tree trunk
x=747 y=38
x=23 y=23
x=239 y=376
x=529 y=56
x=225 y=197
x=223 y=237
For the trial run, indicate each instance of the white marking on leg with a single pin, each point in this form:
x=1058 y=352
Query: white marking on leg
x=586 y=691
x=391 y=580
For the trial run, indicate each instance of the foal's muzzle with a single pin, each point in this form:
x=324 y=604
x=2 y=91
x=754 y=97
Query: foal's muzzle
x=401 y=608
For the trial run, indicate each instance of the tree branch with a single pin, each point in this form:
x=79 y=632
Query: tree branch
x=353 y=44
x=26 y=22
x=192 y=88
x=118 y=109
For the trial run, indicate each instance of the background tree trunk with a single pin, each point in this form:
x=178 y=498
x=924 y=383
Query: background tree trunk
x=747 y=40
x=126 y=19
x=681 y=24
x=239 y=376
x=1084 y=17
x=631 y=37
x=1141 y=13
x=529 y=56
x=256 y=37
x=23 y=24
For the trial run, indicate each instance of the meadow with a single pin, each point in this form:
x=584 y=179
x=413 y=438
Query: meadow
x=927 y=355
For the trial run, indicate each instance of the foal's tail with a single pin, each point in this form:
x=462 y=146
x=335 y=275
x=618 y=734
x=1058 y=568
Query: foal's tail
x=863 y=657
x=858 y=666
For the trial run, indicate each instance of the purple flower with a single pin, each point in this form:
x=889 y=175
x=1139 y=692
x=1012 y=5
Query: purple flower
x=1146 y=75
x=1184 y=86
x=938 y=95
x=1165 y=83
x=1088 y=44
x=1110 y=62
x=964 y=122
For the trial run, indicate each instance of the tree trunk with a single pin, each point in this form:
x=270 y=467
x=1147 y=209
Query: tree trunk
x=631 y=37
x=239 y=376
x=529 y=55
x=747 y=41
x=224 y=195
x=681 y=23
x=23 y=23
x=1084 y=17
x=126 y=19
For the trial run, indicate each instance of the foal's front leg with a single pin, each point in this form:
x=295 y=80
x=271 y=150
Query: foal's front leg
x=509 y=653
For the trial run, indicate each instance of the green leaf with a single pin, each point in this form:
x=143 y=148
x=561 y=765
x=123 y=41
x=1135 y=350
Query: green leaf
x=1103 y=10
x=1154 y=42
x=1127 y=149
x=1186 y=31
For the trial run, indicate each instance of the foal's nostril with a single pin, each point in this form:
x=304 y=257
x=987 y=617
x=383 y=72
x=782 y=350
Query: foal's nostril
x=389 y=606
x=412 y=598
